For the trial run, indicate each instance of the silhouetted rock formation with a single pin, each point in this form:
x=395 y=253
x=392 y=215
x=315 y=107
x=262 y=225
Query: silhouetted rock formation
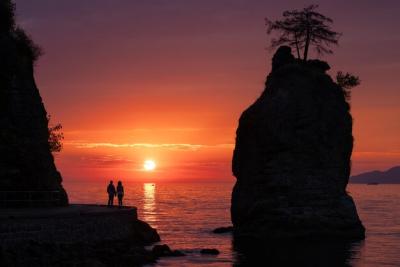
x=292 y=157
x=26 y=163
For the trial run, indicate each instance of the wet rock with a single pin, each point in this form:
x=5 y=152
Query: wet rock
x=165 y=251
x=144 y=232
x=210 y=251
x=161 y=250
x=292 y=158
x=222 y=230
x=177 y=253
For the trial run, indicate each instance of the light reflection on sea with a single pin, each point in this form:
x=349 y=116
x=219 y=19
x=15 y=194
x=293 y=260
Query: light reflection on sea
x=186 y=213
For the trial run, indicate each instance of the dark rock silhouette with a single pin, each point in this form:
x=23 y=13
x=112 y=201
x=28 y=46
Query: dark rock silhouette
x=223 y=230
x=209 y=251
x=292 y=157
x=390 y=176
x=26 y=163
x=165 y=251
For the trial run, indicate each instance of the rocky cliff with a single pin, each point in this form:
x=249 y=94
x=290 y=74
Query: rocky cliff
x=26 y=163
x=292 y=157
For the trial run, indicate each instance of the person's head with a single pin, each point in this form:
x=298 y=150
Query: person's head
x=119 y=183
x=111 y=182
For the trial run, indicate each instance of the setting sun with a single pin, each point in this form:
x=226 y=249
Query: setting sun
x=149 y=165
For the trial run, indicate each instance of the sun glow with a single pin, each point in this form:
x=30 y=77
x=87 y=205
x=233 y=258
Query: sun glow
x=149 y=165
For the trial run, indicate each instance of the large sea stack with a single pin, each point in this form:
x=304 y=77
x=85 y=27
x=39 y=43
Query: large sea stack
x=292 y=157
x=28 y=176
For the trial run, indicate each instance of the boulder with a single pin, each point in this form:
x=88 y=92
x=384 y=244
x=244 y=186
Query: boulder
x=210 y=251
x=223 y=230
x=165 y=251
x=292 y=158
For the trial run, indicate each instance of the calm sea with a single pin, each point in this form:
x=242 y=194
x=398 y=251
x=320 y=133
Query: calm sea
x=186 y=213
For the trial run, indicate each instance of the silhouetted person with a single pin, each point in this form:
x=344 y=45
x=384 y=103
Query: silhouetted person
x=120 y=193
x=111 y=193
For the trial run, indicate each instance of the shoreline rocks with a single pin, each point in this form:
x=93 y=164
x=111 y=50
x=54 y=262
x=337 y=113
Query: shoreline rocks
x=165 y=251
x=107 y=253
x=74 y=235
x=223 y=230
x=209 y=251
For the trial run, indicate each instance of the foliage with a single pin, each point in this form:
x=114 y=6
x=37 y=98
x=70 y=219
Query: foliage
x=26 y=45
x=347 y=81
x=55 y=136
x=8 y=26
x=7 y=16
x=302 y=29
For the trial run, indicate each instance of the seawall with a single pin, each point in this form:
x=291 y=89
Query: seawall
x=75 y=223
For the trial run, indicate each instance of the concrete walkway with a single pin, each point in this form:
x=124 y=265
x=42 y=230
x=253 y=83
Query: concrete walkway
x=71 y=224
x=72 y=210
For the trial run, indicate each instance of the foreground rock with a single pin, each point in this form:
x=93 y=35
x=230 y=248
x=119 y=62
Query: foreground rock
x=77 y=235
x=292 y=158
x=26 y=163
x=110 y=253
x=165 y=251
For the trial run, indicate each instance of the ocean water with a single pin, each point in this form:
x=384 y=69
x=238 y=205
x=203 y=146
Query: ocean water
x=186 y=213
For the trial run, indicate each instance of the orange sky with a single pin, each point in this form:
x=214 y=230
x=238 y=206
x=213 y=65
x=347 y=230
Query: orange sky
x=167 y=80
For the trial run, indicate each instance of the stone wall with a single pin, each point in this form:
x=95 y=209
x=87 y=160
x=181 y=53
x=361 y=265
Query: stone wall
x=89 y=224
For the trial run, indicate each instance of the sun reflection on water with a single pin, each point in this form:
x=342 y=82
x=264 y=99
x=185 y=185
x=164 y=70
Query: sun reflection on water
x=149 y=203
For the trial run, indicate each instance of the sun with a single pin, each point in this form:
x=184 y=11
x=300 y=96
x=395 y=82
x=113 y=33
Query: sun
x=149 y=165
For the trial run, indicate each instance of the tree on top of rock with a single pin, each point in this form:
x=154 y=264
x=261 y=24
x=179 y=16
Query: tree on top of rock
x=302 y=29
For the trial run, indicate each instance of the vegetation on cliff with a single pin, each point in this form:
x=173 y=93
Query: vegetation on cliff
x=8 y=26
x=302 y=29
x=307 y=28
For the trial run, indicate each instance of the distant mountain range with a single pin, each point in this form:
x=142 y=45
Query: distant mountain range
x=391 y=176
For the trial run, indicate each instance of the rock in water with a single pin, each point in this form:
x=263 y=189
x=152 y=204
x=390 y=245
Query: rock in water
x=292 y=158
x=26 y=163
x=210 y=251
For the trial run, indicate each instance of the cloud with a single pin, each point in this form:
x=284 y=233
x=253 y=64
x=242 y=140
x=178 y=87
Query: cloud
x=105 y=161
x=191 y=147
x=205 y=165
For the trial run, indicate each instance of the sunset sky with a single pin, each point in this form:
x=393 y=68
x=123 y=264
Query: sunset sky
x=168 y=79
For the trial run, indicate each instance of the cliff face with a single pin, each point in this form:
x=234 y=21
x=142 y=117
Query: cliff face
x=292 y=157
x=26 y=163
